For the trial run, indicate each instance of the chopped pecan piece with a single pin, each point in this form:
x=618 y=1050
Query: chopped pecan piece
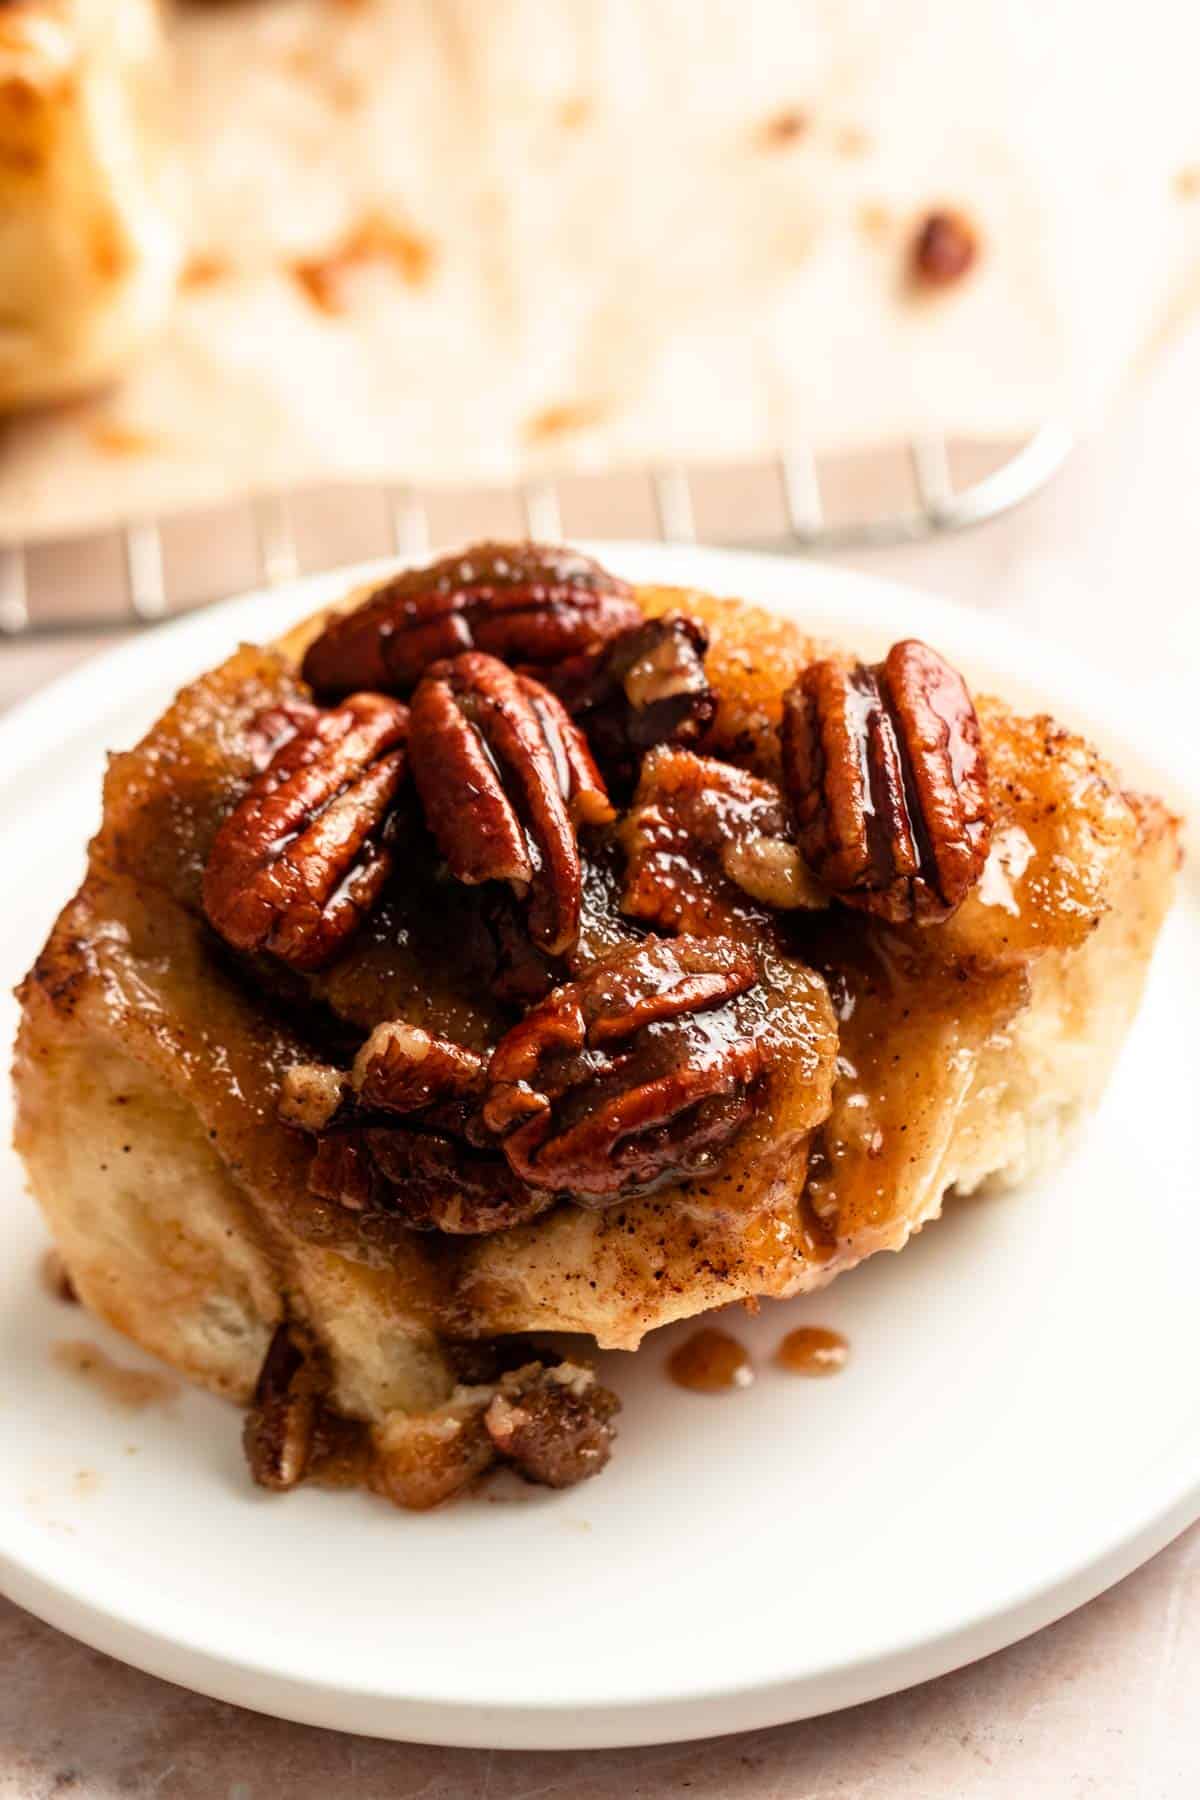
x=505 y=778
x=886 y=775
x=647 y=686
x=404 y=1069
x=639 y=1073
x=532 y=604
x=311 y=1095
x=405 y=1136
x=555 y=1426
x=701 y=839
x=301 y=860
x=281 y=1426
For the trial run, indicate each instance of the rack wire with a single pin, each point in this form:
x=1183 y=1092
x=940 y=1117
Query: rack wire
x=135 y=587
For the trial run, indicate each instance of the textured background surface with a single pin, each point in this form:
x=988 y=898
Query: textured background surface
x=1101 y=1706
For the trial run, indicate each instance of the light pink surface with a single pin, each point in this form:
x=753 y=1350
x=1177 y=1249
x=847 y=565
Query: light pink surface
x=1106 y=1704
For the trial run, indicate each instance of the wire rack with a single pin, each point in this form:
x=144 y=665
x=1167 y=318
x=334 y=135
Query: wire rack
x=133 y=574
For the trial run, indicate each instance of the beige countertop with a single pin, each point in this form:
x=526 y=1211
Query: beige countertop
x=1102 y=1705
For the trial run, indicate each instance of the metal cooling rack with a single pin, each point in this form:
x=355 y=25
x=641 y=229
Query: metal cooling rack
x=129 y=573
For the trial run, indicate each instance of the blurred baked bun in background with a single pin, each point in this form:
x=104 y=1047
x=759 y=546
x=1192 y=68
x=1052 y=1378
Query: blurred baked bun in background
x=89 y=251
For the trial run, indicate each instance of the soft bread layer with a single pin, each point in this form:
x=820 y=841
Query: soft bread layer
x=968 y=1053
x=156 y=1233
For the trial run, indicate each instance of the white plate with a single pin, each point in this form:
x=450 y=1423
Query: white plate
x=1018 y=1426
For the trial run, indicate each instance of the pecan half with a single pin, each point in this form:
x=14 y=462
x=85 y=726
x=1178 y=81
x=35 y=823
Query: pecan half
x=886 y=775
x=647 y=686
x=405 y=1137
x=281 y=1425
x=301 y=860
x=505 y=778
x=638 y=1073
x=532 y=604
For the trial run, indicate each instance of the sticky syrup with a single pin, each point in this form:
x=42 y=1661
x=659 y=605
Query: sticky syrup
x=55 y=1280
x=813 y=1350
x=711 y=1362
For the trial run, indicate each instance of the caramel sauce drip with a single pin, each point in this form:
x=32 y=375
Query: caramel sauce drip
x=711 y=1362
x=813 y=1350
x=131 y=1389
x=55 y=1280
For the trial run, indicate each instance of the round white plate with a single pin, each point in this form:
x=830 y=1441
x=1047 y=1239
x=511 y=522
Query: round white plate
x=1018 y=1427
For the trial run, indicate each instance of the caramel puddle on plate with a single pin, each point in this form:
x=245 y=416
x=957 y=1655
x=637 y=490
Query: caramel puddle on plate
x=130 y=1389
x=813 y=1350
x=711 y=1362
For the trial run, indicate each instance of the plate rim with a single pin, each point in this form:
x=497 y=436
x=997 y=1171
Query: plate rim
x=1095 y=704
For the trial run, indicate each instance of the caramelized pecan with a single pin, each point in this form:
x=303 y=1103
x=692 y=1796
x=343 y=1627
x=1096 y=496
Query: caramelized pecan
x=301 y=860
x=645 y=687
x=275 y=726
x=553 y=1425
x=404 y=1069
x=431 y=1180
x=281 y=1425
x=702 y=840
x=505 y=778
x=638 y=1073
x=405 y=1136
x=532 y=604
x=885 y=772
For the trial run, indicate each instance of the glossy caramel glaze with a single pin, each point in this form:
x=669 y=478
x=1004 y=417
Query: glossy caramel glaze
x=710 y=1362
x=813 y=1350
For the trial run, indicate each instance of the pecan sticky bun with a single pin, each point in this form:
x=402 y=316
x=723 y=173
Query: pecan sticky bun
x=519 y=952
